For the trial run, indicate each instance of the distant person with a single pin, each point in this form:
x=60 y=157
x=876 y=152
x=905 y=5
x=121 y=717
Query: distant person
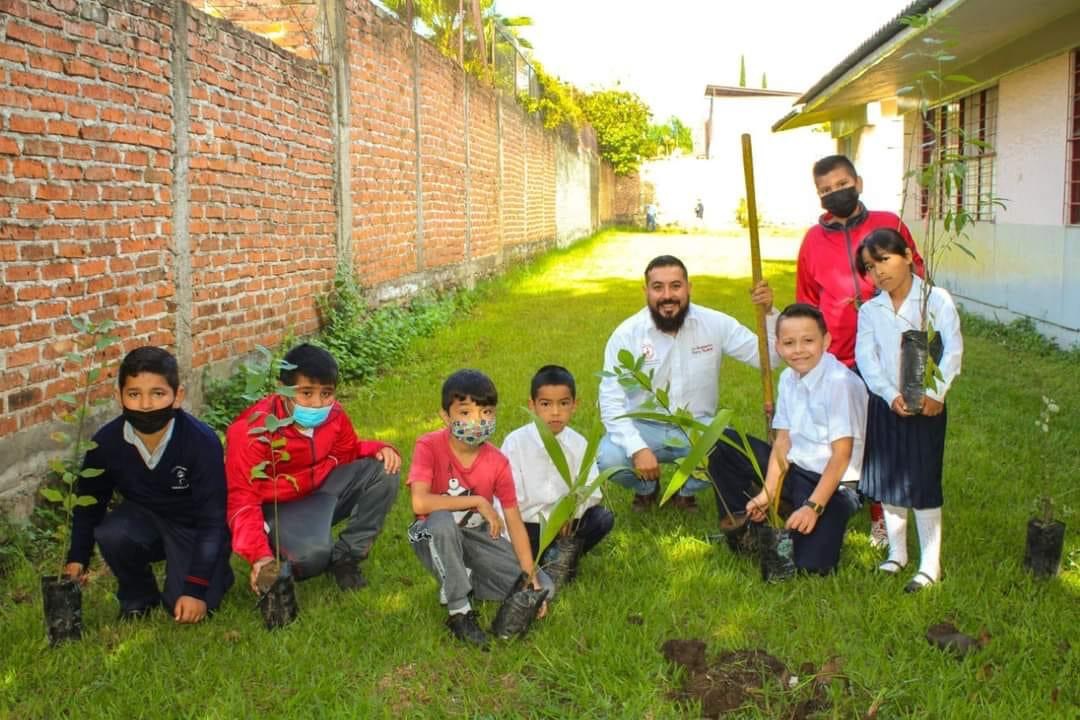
x=539 y=487
x=827 y=274
x=455 y=476
x=169 y=470
x=330 y=476
x=699 y=210
x=905 y=446
x=683 y=345
x=820 y=428
x=650 y=217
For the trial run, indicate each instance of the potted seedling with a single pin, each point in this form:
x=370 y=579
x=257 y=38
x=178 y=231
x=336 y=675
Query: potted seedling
x=772 y=541
x=275 y=582
x=1045 y=533
x=62 y=595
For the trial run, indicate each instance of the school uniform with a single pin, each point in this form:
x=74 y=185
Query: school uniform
x=173 y=509
x=539 y=487
x=904 y=454
x=825 y=405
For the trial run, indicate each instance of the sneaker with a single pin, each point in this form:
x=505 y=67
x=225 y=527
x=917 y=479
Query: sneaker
x=642 y=503
x=464 y=627
x=348 y=575
x=686 y=503
x=879 y=537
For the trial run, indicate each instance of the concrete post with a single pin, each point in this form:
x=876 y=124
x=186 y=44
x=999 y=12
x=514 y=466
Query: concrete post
x=181 y=205
x=419 y=156
x=336 y=56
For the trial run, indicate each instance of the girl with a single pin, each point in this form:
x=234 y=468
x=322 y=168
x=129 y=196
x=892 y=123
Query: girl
x=904 y=446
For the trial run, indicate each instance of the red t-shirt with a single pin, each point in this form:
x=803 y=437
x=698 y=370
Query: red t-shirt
x=489 y=476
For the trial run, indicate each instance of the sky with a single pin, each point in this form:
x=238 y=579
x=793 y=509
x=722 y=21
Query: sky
x=667 y=51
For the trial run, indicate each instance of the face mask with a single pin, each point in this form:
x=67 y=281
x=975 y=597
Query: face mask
x=841 y=203
x=472 y=432
x=310 y=417
x=149 y=422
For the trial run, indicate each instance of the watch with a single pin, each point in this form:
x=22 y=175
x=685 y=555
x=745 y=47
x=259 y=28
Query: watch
x=818 y=508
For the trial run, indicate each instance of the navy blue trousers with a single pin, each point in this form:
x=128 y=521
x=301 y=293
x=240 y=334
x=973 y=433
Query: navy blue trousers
x=132 y=537
x=736 y=482
x=594 y=525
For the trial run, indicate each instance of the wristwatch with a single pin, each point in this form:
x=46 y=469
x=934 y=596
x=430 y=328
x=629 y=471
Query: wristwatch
x=818 y=508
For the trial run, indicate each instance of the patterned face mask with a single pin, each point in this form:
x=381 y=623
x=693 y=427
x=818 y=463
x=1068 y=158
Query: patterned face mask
x=472 y=432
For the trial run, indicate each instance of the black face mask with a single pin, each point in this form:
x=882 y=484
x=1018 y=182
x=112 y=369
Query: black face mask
x=150 y=421
x=841 y=203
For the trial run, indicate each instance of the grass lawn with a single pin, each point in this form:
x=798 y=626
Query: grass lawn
x=384 y=652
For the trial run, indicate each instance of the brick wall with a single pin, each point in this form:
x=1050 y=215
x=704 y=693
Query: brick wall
x=177 y=174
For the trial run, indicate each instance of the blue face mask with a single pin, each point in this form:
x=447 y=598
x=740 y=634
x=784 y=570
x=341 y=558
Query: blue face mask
x=310 y=417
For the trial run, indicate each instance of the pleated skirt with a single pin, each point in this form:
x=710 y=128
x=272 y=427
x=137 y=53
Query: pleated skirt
x=903 y=457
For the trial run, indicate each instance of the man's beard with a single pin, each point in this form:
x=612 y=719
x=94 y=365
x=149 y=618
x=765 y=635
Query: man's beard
x=670 y=324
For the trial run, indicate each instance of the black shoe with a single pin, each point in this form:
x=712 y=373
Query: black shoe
x=135 y=613
x=464 y=626
x=348 y=575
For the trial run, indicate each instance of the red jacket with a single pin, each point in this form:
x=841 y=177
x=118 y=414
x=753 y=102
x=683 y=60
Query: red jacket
x=311 y=459
x=826 y=274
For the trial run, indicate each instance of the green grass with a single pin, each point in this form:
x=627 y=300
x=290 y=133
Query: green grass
x=384 y=652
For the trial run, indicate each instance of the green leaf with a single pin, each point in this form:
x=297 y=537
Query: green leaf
x=284 y=456
x=93 y=375
x=279 y=442
x=57 y=465
x=69 y=478
x=74 y=357
x=288 y=391
x=271 y=424
x=959 y=78
x=700 y=450
x=91 y=472
x=81 y=324
x=258 y=472
x=60 y=437
x=52 y=495
x=676 y=442
x=67 y=398
x=906 y=90
x=626 y=359
x=292 y=481
x=85 y=500
x=554 y=450
x=560 y=515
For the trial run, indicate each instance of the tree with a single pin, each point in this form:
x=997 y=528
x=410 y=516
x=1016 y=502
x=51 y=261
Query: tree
x=556 y=104
x=669 y=137
x=621 y=121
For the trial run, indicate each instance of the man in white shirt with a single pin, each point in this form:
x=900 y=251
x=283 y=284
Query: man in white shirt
x=820 y=426
x=683 y=345
x=539 y=487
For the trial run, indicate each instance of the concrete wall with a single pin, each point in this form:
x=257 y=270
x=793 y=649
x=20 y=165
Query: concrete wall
x=1027 y=262
x=199 y=186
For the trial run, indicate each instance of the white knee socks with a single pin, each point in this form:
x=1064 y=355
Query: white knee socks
x=928 y=523
x=896 y=527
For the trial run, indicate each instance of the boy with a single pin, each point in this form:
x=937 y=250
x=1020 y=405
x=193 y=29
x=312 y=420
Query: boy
x=454 y=478
x=168 y=468
x=826 y=271
x=820 y=426
x=539 y=487
x=337 y=477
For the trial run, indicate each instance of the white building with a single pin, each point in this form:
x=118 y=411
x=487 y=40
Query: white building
x=1021 y=95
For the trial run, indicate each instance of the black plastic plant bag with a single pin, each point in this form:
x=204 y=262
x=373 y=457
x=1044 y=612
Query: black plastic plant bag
x=278 y=604
x=777 y=553
x=518 y=610
x=63 y=609
x=1042 y=552
x=560 y=560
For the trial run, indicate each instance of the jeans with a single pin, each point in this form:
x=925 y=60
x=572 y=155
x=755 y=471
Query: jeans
x=655 y=436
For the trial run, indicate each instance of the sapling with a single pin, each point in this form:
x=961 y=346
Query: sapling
x=1045 y=533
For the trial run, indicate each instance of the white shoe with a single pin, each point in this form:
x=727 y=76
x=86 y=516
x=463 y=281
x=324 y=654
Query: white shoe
x=879 y=538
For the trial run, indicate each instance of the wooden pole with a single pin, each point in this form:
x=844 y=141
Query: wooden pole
x=755 y=265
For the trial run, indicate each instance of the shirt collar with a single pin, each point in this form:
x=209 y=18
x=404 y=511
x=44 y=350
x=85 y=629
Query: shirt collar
x=813 y=378
x=150 y=458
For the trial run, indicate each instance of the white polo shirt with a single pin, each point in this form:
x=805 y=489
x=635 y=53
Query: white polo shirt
x=538 y=484
x=689 y=362
x=819 y=408
x=877 y=341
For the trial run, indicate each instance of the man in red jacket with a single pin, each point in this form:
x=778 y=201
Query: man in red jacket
x=327 y=475
x=826 y=274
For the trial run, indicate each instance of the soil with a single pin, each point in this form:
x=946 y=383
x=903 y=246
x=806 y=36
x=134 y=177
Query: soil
x=736 y=679
x=268 y=573
x=945 y=636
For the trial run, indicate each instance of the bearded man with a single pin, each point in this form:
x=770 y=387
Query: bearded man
x=683 y=345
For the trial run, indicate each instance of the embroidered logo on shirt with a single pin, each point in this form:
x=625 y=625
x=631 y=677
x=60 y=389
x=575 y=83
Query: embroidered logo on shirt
x=699 y=349
x=180 y=479
x=647 y=350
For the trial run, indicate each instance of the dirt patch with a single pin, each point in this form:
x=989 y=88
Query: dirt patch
x=737 y=679
x=268 y=573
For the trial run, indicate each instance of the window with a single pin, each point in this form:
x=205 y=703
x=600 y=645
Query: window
x=1072 y=203
x=963 y=131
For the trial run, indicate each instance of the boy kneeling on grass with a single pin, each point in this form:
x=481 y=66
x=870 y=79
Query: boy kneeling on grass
x=539 y=487
x=454 y=478
x=820 y=426
x=168 y=468
x=337 y=477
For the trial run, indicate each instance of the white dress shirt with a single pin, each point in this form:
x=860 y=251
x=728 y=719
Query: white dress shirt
x=819 y=408
x=877 y=341
x=689 y=362
x=538 y=484
x=150 y=458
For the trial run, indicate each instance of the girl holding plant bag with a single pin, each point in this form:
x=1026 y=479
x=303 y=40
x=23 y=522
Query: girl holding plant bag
x=905 y=445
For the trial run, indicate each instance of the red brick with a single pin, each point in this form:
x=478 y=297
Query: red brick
x=46 y=62
x=53 y=192
x=8 y=146
x=14 y=315
x=32 y=211
x=49 y=311
x=24 y=124
x=14 y=53
x=29 y=169
x=26 y=34
x=80 y=68
x=33 y=333
x=58 y=271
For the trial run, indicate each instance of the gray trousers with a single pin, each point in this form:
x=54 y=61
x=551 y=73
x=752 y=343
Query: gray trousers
x=450 y=552
x=361 y=492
